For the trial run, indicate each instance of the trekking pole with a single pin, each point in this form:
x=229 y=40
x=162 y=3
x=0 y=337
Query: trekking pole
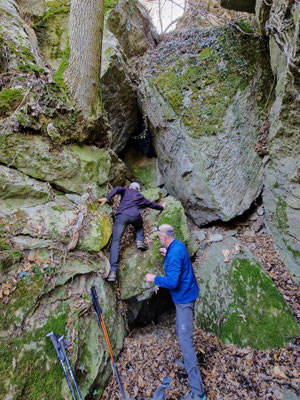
x=102 y=326
x=53 y=337
x=62 y=342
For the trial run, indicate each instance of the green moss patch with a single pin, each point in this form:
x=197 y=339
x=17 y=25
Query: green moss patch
x=9 y=100
x=259 y=316
x=37 y=373
x=54 y=7
x=199 y=72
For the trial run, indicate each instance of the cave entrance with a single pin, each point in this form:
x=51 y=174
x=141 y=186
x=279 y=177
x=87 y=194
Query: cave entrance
x=141 y=313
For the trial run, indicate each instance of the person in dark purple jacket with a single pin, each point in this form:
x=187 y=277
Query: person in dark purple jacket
x=129 y=212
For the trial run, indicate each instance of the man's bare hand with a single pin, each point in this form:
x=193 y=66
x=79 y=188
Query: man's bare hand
x=163 y=251
x=164 y=204
x=102 y=201
x=150 y=278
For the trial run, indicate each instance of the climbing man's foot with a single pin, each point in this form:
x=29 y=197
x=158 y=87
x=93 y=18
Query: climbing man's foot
x=193 y=396
x=111 y=276
x=141 y=245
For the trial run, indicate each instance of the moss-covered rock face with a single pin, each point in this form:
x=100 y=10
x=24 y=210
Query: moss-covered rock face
x=143 y=168
x=239 y=302
x=204 y=92
x=47 y=293
x=72 y=168
x=134 y=264
x=52 y=30
x=282 y=181
x=55 y=221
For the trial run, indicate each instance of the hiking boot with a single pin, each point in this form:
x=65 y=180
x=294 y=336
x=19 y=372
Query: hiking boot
x=179 y=362
x=141 y=245
x=111 y=276
x=193 y=396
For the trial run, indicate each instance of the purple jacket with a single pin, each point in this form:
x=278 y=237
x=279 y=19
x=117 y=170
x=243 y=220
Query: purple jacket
x=132 y=201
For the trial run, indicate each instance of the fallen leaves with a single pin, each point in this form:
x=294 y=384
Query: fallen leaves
x=227 y=372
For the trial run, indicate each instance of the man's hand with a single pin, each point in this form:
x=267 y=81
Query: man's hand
x=164 y=204
x=163 y=251
x=102 y=201
x=150 y=278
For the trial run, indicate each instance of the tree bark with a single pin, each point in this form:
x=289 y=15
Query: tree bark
x=85 y=37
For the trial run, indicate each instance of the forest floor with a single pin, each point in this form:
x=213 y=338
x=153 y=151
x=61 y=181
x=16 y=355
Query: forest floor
x=228 y=373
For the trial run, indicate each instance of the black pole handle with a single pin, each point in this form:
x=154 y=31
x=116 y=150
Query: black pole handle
x=96 y=301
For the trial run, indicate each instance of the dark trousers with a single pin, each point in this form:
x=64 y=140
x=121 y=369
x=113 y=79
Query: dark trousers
x=184 y=328
x=122 y=221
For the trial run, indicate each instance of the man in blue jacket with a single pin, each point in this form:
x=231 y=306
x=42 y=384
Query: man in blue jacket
x=128 y=212
x=180 y=279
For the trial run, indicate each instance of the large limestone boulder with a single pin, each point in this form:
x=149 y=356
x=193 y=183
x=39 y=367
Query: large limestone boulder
x=118 y=95
x=130 y=23
x=282 y=181
x=49 y=292
x=239 y=302
x=30 y=208
x=71 y=168
x=204 y=114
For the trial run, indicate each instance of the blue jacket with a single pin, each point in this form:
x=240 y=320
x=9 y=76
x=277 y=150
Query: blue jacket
x=180 y=277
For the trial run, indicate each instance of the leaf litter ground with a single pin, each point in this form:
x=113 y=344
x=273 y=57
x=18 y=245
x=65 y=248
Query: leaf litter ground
x=227 y=372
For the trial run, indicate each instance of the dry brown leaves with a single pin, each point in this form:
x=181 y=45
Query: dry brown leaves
x=227 y=372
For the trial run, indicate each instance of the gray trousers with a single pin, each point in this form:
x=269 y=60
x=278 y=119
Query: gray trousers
x=184 y=328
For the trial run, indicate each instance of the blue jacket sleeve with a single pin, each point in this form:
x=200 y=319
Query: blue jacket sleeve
x=116 y=190
x=173 y=271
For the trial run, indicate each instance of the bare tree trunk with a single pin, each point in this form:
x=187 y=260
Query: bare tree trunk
x=160 y=15
x=85 y=36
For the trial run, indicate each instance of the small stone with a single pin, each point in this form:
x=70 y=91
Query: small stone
x=200 y=235
x=215 y=237
x=261 y=210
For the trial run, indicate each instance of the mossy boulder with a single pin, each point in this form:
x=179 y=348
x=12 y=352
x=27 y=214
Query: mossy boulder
x=134 y=264
x=71 y=168
x=204 y=114
x=41 y=301
x=239 y=302
x=20 y=190
x=55 y=221
x=143 y=168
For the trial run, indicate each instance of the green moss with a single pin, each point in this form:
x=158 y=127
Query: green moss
x=9 y=99
x=37 y=373
x=268 y=323
x=20 y=301
x=27 y=68
x=54 y=7
x=58 y=76
x=281 y=215
x=109 y=5
x=201 y=88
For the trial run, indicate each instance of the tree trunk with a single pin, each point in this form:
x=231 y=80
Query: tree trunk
x=85 y=36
